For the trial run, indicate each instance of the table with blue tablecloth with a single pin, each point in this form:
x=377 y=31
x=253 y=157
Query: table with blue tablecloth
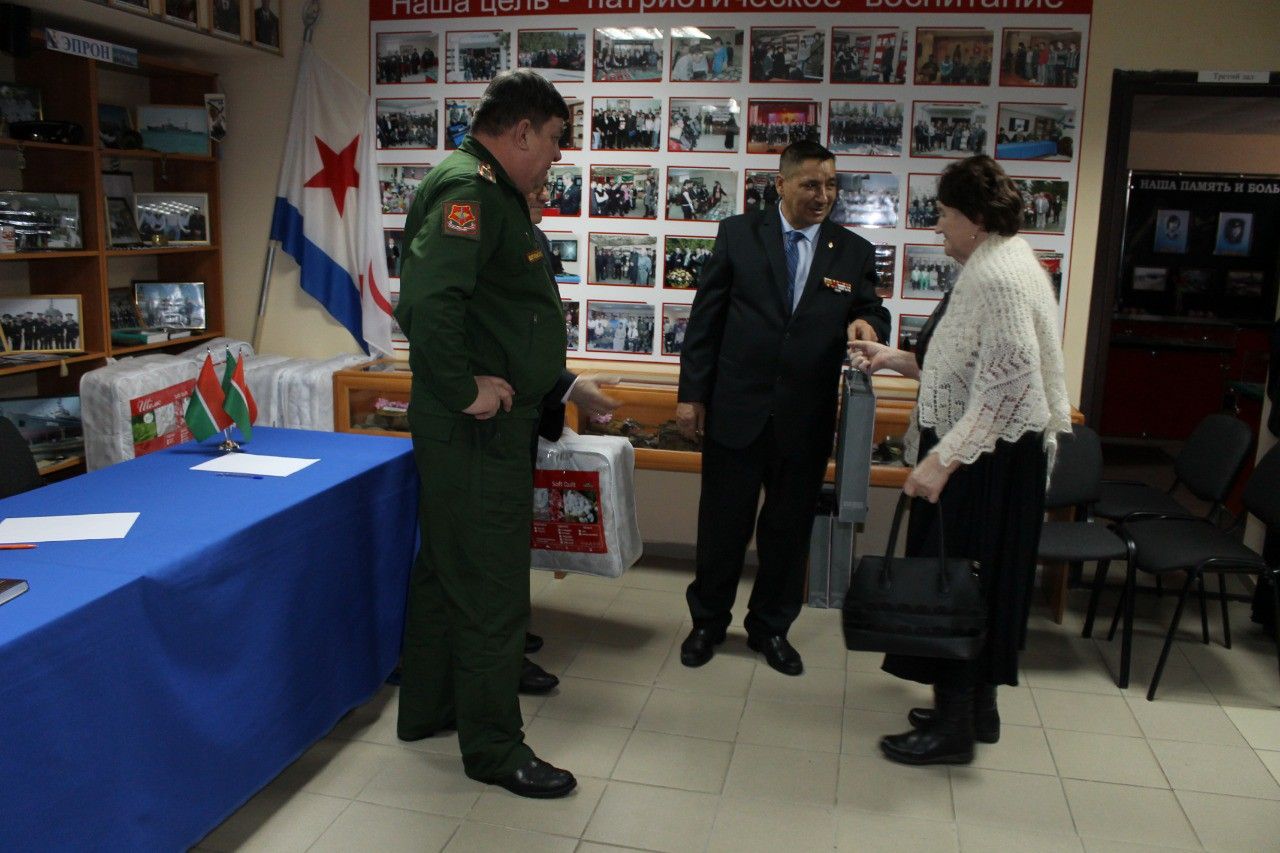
x=152 y=684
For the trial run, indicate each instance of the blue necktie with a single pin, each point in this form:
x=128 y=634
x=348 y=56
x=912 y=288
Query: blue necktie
x=792 y=251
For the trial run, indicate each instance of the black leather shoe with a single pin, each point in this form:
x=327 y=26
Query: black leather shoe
x=949 y=740
x=408 y=737
x=986 y=717
x=532 y=642
x=539 y=780
x=534 y=679
x=778 y=653
x=699 y=646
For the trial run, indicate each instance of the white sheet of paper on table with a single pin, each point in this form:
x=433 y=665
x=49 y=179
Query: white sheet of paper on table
x=67 y=528
x=254 y=463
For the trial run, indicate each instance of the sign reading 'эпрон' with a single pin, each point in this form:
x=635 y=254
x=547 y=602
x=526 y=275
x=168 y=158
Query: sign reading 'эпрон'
x=103 y=51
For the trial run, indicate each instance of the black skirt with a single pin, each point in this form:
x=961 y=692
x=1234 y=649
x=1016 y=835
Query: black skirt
x=992 y=511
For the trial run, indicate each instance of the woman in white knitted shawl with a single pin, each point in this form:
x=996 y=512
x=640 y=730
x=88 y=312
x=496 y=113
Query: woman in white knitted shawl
x=992 y=402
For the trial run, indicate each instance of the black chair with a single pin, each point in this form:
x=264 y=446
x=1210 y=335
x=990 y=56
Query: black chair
x=1207 y=466
x=18 y=471
x=1198 y=546
x=1075 y=483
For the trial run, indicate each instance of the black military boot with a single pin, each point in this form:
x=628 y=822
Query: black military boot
x=986 y=717
x=948 y=741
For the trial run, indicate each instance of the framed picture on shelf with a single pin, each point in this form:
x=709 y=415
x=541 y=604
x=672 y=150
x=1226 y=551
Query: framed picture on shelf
x=50 y=425
x=44 y=323
x=174 y=129
x=121 y=309
x=142 y=7
x=170 y=304
x=183 y=218
x=34 y=222
x=185 y=13
x=225 y=19
x=19 y=103
x=115 y=127
x=122 y=223
x=266 y=23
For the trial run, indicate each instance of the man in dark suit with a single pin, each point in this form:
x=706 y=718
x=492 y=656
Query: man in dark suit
x=266 y=25
x=780 y=296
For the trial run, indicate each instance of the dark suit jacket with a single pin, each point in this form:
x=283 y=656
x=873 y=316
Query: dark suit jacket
x=747 y=357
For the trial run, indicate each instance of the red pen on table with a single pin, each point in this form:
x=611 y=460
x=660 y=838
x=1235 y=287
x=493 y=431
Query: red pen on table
x=25 y=546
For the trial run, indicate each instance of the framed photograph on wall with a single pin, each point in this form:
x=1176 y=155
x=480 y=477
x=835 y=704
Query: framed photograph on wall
x=44 y=323
x=707 y=54
x=560 y=55
x=185 y=13
x=407 y=58
x=1043 y=132
x=140 y=6
x=1172 y=227
x=624 y=192
x=909 y=326
x=701 y=194
x=173 y=129
x=266 y=23
x=922 y=201
x=571 y=139
x=1052 y=263
x=867 y=128
x=620 y=327
x=627 y=55
x=397 y=183
x=457 y=120
x=476 y=56
x=708 y=125
x=572 y=324
x=927 y=272
x=1235 y=234
x=954 y=129
x=788 y=54
x=675 y=320
x=564 y=191
x=1044 y=204
x=564 y=248
x=393 y=245
x=1040 y=58
x=122 y=223
x=226 y=19
x=1150 y=279
x=866 y=199
x=759 y=189
x=170 y=304
x=407 y=123
x=626 y=124
x=953 y=56
x=183 y=218
x=623 y=260
x=773 y=125
x=869 y=55
x=683 y=258
x=886 y=269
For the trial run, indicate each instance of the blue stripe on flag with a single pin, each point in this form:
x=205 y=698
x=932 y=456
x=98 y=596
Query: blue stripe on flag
x=322 y=277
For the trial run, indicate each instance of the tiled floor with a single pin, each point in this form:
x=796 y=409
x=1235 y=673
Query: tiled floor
x=735 y=757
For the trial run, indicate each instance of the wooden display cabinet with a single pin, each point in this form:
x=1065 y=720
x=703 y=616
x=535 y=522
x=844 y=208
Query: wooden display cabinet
x=648 y=396
x=71 y=89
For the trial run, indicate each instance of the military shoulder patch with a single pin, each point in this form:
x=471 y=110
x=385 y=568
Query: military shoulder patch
x=485 y=171
x=461 y=219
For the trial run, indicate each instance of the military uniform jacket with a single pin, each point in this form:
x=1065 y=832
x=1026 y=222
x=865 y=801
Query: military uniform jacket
x=748 y=357
x=475 y=295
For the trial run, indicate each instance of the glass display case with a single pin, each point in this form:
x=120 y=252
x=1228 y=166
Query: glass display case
x=372 y=398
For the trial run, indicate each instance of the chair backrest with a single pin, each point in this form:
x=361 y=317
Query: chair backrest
x=18 y=471
x=1262 y=492
x=1077 y=470
x=1213 y=455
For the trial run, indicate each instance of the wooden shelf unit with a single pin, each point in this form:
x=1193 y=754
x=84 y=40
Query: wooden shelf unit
x=71 y=89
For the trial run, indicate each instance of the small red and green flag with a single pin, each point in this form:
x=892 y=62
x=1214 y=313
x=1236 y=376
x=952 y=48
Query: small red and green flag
x=238 y=402
x=205 y=413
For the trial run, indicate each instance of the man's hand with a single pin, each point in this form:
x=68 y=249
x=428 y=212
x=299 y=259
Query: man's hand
x=870 y=357
x=861 y=330
x=928 y=478
x=588 y=397
x=691 y=418
x=492 y=393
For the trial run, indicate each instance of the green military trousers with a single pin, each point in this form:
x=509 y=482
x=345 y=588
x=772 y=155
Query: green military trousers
x=469 y=592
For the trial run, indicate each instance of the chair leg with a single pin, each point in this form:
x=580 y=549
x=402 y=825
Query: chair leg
x=1204 y=610
x=1115 y=617
x=1075 y=571
x=1275 y=595
x=1168 y=640
x=1226 y=619
x=1126 y=635
x=1099 y=581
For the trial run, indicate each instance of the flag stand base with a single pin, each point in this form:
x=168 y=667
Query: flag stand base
x=229 y=446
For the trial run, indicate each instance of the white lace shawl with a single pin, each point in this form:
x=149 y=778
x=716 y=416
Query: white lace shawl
x=994 y=369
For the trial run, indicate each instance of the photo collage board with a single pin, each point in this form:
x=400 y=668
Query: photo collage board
x=679 y=120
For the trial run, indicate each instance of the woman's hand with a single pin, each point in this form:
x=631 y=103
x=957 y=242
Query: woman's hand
x=871 y=357
x=929 y=478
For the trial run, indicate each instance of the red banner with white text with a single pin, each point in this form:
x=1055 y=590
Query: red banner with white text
x=408 y=10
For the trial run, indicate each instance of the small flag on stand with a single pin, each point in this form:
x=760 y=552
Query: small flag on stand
x=238 y=402
x=205 y=414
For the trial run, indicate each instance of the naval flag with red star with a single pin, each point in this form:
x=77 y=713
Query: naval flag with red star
x=328 y=210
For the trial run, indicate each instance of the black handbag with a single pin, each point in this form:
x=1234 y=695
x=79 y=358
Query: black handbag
x=922 y=606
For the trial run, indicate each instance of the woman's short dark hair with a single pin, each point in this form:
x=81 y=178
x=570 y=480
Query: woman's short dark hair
x=979 y=188
x=514 y=96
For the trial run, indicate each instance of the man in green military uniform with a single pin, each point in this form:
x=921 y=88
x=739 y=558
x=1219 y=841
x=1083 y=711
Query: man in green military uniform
x=487 y=348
